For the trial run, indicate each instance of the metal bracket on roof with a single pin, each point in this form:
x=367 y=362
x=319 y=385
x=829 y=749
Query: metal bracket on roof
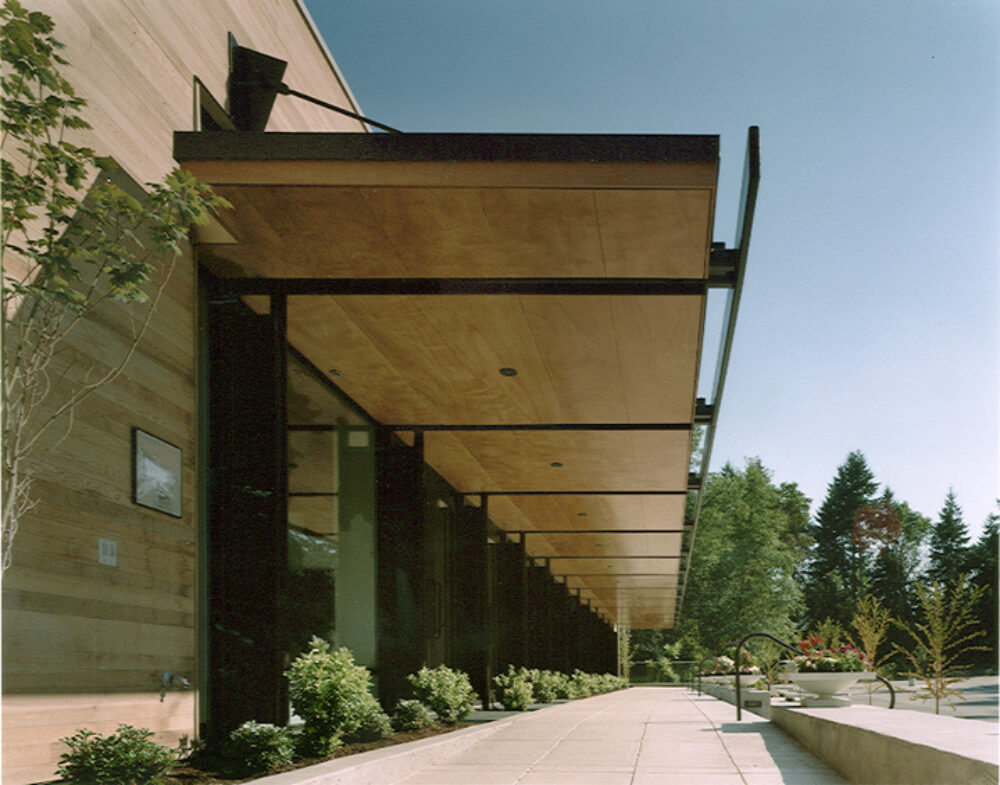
x=723 y=266
x=704 y=412
x=255 y=81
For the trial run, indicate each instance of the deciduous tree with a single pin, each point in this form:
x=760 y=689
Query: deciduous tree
x=741 y=577
x=897 y=567
x=871 y=624
x=942 y=638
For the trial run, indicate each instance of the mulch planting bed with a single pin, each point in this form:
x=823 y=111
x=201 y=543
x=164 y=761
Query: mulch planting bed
x=205 y=774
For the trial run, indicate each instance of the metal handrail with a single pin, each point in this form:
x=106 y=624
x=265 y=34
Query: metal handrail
x=739 y=648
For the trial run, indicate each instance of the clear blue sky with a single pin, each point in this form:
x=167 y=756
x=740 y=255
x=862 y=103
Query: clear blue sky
x=869 y=317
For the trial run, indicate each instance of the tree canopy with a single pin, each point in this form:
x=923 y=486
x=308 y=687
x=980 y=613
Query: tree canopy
x=949 y=543
x=835 y=575
x=742 y=569
x=759 y=563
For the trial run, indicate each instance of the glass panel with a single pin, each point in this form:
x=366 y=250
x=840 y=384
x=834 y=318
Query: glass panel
x=312 y=402
x=356 y=588
x=312 y=462
x=717 y=307
x=331 y=519
x=312 y=569
x=315 y=516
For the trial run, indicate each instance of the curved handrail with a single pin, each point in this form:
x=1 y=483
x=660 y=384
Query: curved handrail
x=892 y=691
x=739 y=648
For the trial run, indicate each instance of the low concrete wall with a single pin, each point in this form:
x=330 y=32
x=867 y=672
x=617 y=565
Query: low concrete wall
x=757 y=701
x=870 y=745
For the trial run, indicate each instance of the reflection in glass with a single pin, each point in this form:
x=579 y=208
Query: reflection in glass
x=330 y=586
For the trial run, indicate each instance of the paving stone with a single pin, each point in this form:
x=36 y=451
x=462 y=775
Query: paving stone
x=639 y=736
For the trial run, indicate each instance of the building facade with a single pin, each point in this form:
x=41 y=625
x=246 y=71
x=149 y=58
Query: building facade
x=432 y=395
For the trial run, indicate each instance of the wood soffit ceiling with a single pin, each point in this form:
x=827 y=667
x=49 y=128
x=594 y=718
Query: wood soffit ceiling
x=393 y=206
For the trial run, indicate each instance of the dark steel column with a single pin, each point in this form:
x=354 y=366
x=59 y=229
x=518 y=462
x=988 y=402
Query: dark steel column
x=469 y=575
x=527 y=611
x=247 y=512
x=399 y=473
x=510 y=604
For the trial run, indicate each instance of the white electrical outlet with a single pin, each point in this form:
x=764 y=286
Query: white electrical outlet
x=107 y=552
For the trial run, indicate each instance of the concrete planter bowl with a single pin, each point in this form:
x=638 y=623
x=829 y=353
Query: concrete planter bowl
x=830 y=688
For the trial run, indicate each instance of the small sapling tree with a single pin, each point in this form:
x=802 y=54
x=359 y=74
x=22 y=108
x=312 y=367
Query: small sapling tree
x=871 y=622
x=942 y=637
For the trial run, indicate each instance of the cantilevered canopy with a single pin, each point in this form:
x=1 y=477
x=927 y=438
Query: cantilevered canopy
x=532 y=304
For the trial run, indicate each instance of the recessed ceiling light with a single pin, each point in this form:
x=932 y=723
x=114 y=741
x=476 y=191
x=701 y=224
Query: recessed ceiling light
x=508 y=371
x=334 y=372
x=555 y=464
x=581 y=515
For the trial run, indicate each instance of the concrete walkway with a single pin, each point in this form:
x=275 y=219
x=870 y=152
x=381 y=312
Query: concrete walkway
x=639 y=736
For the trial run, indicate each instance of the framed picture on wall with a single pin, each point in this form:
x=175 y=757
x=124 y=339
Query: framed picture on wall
x=156 y=473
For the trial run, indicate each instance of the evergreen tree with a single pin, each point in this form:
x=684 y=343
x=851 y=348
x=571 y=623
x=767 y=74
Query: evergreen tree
x=949 y=551
x=897 y=567
x=795 y=506
x=837 y=574
x=983 y=574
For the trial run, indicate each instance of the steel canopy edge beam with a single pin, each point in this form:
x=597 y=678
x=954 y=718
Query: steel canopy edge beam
x=494 y=148
x=748 y=205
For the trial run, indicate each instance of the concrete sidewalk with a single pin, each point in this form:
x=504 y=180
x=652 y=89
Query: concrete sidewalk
x=639 y=736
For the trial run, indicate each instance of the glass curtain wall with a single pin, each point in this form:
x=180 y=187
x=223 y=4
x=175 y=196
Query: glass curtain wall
x=331 y=579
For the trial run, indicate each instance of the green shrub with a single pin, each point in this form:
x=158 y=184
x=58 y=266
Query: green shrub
x=447 y=692
x=563 y=685
x=257 y=747
x=608 y=682
x=374 y=725
x=313 y=742
x=514 y=690
x=127 y=757
x=532 y=675
x=331 y=694
x=546 y=686
x=411 y=715
x=582 y=685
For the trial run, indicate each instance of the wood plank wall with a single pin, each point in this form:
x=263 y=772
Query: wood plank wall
x=84 y=644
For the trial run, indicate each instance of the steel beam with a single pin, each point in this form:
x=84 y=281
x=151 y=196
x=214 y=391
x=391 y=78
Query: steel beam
x=466 y=286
